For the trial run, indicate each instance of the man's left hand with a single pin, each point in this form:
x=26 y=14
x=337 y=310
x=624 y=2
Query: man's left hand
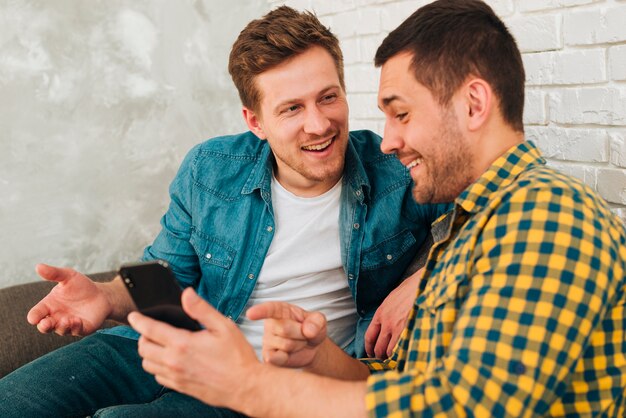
x=390 y=318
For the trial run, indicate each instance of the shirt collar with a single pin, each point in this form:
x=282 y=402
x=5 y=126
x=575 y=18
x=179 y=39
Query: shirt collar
x=261 y=175
x=354 y=172
x=501 y=173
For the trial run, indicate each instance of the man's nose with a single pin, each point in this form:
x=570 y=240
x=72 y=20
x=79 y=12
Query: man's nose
x=316 y=122
x=392 y=140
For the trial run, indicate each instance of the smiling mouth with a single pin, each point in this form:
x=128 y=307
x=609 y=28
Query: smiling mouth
x=414 y=163
x=319 y=147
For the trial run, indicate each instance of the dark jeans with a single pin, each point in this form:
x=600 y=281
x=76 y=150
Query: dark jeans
x=101 y=376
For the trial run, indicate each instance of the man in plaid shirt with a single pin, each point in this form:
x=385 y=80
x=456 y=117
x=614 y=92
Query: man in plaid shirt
x=521 y=309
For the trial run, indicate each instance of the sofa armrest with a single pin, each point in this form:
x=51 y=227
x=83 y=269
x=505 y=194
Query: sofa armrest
x=20 y=341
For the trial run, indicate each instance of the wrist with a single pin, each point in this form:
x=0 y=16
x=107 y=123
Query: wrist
x=317 y=365
x=116 y=300
x=249 y=400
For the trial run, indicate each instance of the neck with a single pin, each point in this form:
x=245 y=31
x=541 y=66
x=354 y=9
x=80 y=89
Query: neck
x=306 y=187
x=491 y=143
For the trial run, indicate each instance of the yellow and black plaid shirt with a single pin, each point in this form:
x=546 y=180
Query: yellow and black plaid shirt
x=521 y=309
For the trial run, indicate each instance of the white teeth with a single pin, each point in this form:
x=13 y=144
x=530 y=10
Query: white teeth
x=318 y=147
x=413 y=163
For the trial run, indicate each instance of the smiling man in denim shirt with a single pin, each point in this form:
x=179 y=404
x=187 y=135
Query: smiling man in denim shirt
x=298 y=209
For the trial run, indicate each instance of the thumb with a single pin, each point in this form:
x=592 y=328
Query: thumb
x=200 y=310
x=314 y=327
x=54 y=274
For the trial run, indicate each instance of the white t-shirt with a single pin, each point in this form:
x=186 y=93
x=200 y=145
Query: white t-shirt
x=303 y=264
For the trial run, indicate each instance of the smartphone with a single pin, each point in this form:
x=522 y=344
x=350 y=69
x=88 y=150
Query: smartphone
x=156 y=293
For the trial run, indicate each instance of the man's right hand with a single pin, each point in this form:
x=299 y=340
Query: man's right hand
x=75 y=306
x=292 y=336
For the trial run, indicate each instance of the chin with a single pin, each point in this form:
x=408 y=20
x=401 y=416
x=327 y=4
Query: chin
x=422 y=197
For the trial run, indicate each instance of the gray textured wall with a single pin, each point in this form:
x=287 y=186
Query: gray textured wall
x=99 y=102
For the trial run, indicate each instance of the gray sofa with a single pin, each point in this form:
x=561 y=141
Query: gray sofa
x=20 y=342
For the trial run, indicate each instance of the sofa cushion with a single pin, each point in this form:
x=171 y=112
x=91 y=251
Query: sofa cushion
x=20 y=342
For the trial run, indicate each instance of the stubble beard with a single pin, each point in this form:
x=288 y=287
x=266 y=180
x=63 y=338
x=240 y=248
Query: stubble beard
x=448 y=170
x=330 y=169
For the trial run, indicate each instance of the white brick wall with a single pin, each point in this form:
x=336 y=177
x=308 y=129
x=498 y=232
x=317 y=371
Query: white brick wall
x=574 y=52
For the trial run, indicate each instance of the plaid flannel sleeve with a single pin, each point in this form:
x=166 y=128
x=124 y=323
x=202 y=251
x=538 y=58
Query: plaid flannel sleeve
x=537 y=287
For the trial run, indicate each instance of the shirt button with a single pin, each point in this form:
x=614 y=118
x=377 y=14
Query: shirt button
x=356 y=226
x=358 y=193
x=250 y=276
x=208 y=256
x=270 y=229
x=229 y=317
x=351 y=276
x=389 y=256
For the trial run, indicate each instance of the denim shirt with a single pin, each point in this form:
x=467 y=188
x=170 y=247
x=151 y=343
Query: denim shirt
x=220 y=223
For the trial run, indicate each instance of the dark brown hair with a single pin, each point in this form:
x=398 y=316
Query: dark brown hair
x=267 y=42
x=452 y=39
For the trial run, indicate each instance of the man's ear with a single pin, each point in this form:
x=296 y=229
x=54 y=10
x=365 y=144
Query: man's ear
x=480 y=100
x=253 y=122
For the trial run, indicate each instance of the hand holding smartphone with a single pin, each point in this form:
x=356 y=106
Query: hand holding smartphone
x=156 y=293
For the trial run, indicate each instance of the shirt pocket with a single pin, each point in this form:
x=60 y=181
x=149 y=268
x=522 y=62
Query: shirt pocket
x=387 y=252
x=215 y=257
x=437 y=315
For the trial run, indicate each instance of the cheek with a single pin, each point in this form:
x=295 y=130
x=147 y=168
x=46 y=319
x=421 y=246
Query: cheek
x=427 y=135
x=337 y=112
x=416 y=138
x=286 y=131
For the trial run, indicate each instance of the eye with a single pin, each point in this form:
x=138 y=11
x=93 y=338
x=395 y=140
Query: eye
x=329 y=98
x=401 y=116
x=290 y=109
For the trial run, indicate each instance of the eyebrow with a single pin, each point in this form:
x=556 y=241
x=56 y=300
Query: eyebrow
x=388 y=100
